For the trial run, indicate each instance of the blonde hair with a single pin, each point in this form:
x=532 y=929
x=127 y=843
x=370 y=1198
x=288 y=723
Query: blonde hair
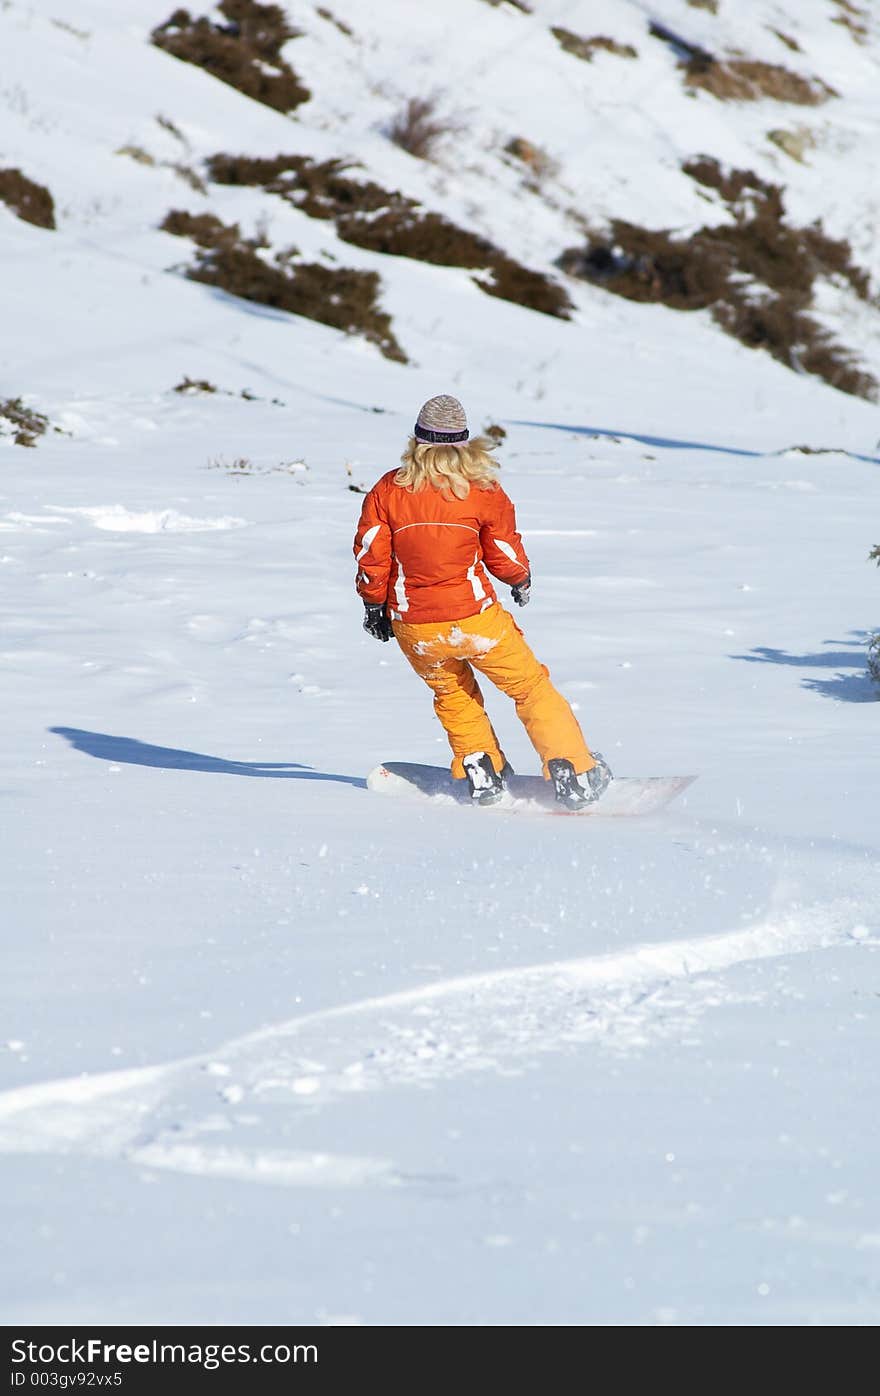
x=450 y=468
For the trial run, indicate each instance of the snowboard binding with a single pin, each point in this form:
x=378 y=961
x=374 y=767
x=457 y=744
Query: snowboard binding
x=487 y=785
x=569 y=791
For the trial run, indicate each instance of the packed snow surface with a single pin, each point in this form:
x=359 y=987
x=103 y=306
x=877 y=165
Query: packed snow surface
x=273 y=1049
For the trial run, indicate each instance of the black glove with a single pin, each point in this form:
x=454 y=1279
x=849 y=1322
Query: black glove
x=376 y=622
x=522 y=591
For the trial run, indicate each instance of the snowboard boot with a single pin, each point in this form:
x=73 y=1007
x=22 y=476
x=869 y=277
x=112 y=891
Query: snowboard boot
x=487 y=786
x=569 y=791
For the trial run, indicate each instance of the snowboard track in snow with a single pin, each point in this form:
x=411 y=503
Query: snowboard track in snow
x=193 y=1115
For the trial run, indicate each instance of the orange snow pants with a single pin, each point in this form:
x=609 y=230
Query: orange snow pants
x=445 y=655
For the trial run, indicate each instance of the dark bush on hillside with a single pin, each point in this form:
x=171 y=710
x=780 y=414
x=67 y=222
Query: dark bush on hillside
x=380 y=221
x=337 y=296
x=429 y=237
x=245 y=52
x=23 y=423
x=203 y=228
x=732 y=185
x=755 y=274
x=28 y=201
x=320 y=188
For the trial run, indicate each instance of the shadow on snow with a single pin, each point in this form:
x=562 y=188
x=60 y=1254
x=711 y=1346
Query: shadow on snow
x=673 y=443
x=857 y=687
x=128 y=751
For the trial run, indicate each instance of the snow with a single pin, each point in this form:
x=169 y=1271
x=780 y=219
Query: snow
x=272 y=1049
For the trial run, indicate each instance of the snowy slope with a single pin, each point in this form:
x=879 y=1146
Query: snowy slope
x=418 y=1065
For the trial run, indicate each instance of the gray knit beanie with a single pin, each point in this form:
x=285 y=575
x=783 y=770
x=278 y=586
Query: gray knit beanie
x=441 y=421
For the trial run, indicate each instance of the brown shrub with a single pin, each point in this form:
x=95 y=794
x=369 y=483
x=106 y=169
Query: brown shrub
x=379 y=221
x=26 y=424
x=245 y=52
x=710 y=5
x=339 y=296
x=30 y=202
x=495 y=432
x=419 y=126
x=755 y=274
x=586 y=48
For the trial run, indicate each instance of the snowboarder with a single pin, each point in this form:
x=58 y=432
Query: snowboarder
x=428 y=535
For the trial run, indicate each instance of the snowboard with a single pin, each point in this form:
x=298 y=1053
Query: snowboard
x=626 y=795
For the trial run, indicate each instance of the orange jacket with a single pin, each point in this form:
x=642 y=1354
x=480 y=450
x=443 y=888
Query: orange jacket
x=428 y=556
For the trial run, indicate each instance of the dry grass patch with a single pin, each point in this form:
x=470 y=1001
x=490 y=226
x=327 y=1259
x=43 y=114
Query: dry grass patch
x=30 y=202
x=199 y=387
x=168 y=125
x=185 y=172
x=794 y=144
x=853 y=18
x=538 y=166
x=755 y=274
x=332 y=19
x=586 y=48
x=749 y=80
x=341 y=297
x=245 y=52
x=136 y=153
x=514 y=5
x=380 y=221
x=787 y=39
x=740 y=79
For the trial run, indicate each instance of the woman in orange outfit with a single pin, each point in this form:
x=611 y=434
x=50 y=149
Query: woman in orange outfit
x=429 y=535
